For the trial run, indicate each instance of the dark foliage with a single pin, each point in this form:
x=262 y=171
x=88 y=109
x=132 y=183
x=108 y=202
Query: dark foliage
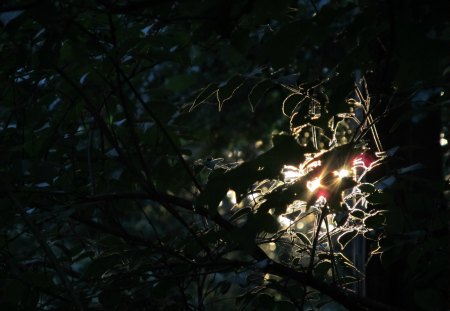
x=224 y=155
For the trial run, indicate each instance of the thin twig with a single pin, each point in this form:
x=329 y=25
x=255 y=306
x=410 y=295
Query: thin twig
x=315 y=241
x=333 y=260
x=161 y=127
x=314 y=6
x=47 y=250
x=147 y=108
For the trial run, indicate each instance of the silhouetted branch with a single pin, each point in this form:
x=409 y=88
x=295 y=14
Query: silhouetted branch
x=47 y=250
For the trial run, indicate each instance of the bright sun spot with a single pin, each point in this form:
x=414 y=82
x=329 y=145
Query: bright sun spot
x=272 y=246
x=290 y=173
x=313 y=185
x=342 y=173
x=284 y=221
x=231 y=195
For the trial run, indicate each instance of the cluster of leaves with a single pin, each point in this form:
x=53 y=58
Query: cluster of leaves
x=114 y=192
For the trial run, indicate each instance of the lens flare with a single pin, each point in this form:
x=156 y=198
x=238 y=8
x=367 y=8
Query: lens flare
x=342 y=173
x=313 y=185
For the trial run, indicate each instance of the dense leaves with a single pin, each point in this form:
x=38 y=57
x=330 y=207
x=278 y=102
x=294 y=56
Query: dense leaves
x=217 y=155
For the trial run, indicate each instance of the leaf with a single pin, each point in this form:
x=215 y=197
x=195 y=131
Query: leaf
x=346 y=237
x=7 y=17
x=244 y=298
x=371 y=235
x=265 y=301
x=297 y=261
x=101 y=265
x=227 y=90
x=224 y=287
x=178 y=83
x=111 y=297
x=13 y=291
x=366 y=188
x=258 y=91
x=240 y=213
x=265 y=222
x=281 y=47
x=284 y=305
x=377 y=198
x=303 y=238
x=280 y=198
x=286 y=151
x=291 y=103
x=427 y=298
x=298 y=120
x=357 y=213
x=322 y=268
x=375 y=221
x=341 y=218
x=203 y=96
x=215 y=190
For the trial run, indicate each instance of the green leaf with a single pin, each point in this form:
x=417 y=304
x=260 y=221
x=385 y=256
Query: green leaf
x=101 y=265
x=298 y=120
x=227 y=89
x=13 y=291
x=322 y=268
x=357 y=213
x=224 y=287
x=303 y=238
x=240 y=213
x=178 y=83
x=40 y=280
x=366 y=188
x=258 y=92
x=265 y=222
x=346 y=237
x=377 y=198
x=203 y=96
x=281 y=48
x=291 y=103
x=111 y=297
x=375 y=221
x=428 y=298
x=286 y=151
x=284 y=305
x=265 y=301
x=244 y=298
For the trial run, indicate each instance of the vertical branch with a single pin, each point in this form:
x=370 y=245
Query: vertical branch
x=129 y=115
x=147 y=108
x=160 y=125
x=365 y=104
x=89 y=160
x=112 y=139
x=333 y=261
x=316 y=239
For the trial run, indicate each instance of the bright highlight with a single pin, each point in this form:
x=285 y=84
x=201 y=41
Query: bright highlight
x=342 y=173
x=313 y=185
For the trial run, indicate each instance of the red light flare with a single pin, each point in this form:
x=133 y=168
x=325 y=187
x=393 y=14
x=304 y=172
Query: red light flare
x=322 y=193
x=364 y=159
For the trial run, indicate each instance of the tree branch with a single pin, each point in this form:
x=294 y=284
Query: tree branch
x=47 y=250
x=146 y=107
x=348 y=299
